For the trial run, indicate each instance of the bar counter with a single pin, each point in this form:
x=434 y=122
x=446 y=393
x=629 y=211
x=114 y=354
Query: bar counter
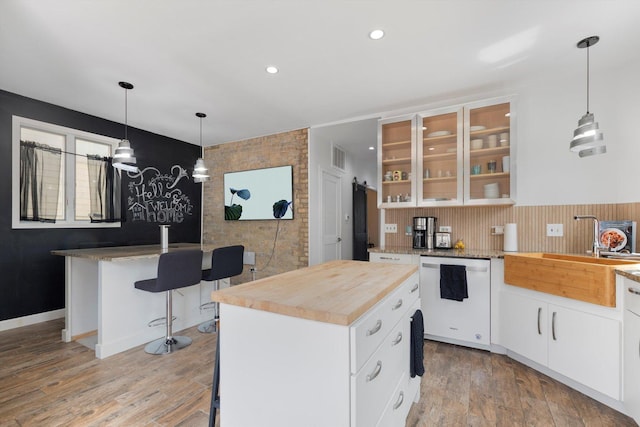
x=103 y=309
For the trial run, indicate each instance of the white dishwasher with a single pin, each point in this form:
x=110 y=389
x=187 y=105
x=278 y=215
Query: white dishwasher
x=466 y=322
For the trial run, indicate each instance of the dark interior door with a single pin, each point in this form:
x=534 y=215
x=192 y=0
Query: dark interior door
x=360 y=235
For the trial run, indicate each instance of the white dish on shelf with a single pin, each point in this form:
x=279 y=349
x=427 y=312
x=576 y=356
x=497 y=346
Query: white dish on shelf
x=438 y=133
x=476 y=144
x=477 y=128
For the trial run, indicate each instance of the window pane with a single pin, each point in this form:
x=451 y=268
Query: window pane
x=53 y=140
x=83 y=201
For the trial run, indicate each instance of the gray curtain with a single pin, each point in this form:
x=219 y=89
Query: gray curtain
x=104 y=190
x=39 y=181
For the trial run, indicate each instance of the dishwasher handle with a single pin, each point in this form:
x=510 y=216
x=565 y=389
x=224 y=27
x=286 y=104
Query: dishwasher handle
x=468 y=268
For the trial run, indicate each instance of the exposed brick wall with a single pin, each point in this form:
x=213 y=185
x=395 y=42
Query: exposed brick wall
x=292 y=247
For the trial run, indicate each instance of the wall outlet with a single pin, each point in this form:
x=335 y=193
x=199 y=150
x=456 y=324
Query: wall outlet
x=497 y=230
x=444 y=229
x=391 y=228
x=249 y=258
x=555 y=230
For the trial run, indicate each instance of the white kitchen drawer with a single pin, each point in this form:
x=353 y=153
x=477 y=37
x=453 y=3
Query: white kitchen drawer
x=397 y=408
x=367 y=333
x=632 y=296
x=391 y=258
x=373 y=385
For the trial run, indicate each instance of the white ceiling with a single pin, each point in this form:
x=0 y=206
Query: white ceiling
x=206 y=55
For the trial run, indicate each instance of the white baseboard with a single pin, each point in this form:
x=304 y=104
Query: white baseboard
x=18 y=322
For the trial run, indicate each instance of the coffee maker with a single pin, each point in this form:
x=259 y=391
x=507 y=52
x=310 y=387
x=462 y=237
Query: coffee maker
x=424 y=229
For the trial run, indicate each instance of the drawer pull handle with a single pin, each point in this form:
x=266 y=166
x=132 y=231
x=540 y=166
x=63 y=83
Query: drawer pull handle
x=424 y=264
x=399 y=401
x=634 y=291
x=539 y=313
x=398 y=304
x=398 y=339
x=376 y=371
x=415 y=288
x=390 y=258
x=553 y=326
x=376 y=328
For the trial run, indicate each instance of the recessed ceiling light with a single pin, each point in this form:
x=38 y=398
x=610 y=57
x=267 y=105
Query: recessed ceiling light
x=271 y=69
x=372 y=148
x=376 y=34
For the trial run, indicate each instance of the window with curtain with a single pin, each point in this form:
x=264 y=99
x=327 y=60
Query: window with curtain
x=64 y=177
x=39 y=181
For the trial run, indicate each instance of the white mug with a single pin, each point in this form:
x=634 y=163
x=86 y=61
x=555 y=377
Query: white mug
x=506 y=164
x=492 y=141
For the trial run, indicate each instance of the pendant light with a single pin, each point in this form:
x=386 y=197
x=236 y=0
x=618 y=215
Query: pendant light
x=588 y=139
x=123 y=157
x=200 y=171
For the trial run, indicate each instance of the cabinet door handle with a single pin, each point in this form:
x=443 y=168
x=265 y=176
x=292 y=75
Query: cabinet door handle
x=376 y=371
x=553 y=326
x=399 y=401
x=376 y=328
x=398 y=339
x=539 y=313
x=390 y=258
x=398 y=304
x=634 y=291
x=415 y=288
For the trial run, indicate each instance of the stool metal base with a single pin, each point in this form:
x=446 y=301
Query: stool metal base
x=166 y=346
x=208 y=327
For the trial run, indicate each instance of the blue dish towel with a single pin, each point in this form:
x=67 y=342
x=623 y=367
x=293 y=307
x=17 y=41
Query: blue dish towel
x=453 y=282
x=416 y=361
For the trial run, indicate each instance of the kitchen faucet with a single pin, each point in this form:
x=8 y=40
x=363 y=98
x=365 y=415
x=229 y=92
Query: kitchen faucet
x=596 y=232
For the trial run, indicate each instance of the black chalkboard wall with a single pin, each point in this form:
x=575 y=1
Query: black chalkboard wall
x=31 y=279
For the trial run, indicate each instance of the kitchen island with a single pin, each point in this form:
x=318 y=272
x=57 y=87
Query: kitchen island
x=327 y=345
x=104 y=311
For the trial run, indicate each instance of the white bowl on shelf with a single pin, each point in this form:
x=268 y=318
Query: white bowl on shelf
x=492 y=191
x=476 y=144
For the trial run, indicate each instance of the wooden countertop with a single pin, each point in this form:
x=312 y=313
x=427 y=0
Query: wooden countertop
x=335 y=292
x=123 y=253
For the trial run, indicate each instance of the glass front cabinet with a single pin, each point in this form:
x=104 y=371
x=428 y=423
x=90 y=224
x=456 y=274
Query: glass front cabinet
x=440 y=158
x=454 y=156
x=397 y=162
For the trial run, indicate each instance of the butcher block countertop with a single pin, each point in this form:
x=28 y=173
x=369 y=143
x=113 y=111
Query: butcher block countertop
x=123 y=253
x=336 y=292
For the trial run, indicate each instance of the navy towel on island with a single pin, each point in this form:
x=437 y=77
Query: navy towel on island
x=453 y=282
x=416 y=361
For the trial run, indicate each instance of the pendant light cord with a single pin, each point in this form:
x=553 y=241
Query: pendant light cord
x=587 y=78
x=125 y=114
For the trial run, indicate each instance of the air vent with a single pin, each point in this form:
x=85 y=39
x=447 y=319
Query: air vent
x=338 y=157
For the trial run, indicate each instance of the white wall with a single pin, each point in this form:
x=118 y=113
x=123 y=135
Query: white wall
x=548 y=111
x=320 y=143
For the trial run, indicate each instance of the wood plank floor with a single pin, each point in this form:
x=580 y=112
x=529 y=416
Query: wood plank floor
x=45 y=382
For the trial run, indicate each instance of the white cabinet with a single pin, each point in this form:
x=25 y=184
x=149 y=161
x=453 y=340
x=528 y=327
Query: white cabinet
x=523 y=326
x=582 y=346
x=292 y=371
x=459 y=155
x=631 y=361
x=397 y=162
x=440 y=166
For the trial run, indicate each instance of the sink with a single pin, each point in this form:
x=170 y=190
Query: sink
x=578 y=277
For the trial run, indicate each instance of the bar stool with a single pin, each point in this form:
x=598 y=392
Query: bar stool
x=226 y=262
x=175 y=270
